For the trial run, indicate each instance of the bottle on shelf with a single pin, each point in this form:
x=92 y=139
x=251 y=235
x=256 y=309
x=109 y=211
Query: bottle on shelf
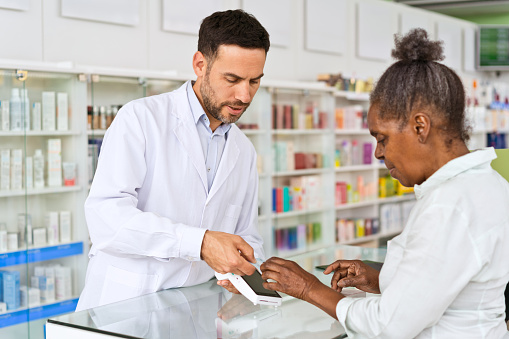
x=16 y=121
x=26 y=107
x=38 y=169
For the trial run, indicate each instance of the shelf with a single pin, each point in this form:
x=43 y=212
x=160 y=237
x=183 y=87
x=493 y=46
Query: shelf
x=33 y=255
x=378 y=201
x=398 y=198
x=299 y=131
x=352 y=132
x=354 y=96
x=296 y=213
x=38 y=133
x=302 y=172
x=262 y=217
x=297 y=251
x=356 y=205
x=356 y=168
x=96 y=132
x=253 y=131
x=37 y=191
x=297 y=85
x=38 y=312
x=370 y=238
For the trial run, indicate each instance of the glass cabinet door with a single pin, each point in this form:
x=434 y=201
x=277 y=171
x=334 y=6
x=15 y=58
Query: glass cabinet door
x=42 y=232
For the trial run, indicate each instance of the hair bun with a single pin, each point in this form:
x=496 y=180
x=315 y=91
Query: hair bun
x=415 y=46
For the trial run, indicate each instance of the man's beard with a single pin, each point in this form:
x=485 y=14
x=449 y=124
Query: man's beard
x=214 y=109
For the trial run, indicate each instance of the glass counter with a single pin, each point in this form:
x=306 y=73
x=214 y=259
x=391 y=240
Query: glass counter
x=209 y=311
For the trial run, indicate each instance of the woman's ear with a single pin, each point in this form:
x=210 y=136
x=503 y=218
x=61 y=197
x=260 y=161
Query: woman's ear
x=421 y=126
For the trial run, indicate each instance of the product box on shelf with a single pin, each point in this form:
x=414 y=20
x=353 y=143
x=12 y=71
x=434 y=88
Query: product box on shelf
x=52 y=226
x=5 y=169
x=10 y=289
x=54 y=162
x=4 y=115
x=62 y=112
x=65 y=226
x=48 y=111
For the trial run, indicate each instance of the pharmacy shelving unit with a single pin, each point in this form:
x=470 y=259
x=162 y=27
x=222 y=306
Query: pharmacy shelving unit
x=14 y=200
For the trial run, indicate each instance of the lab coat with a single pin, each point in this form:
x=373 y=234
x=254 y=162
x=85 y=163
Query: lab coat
x=149 y=204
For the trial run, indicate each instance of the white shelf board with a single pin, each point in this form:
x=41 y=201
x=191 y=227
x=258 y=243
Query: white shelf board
x=354 y=96
x=253 y=131
x=356 y=205
x=96 y=132
x=370 y=238
x=352 y=132
x=299 y=131
x=354 y=168
x=399 y=198
x=298 y=251
x=301 y=172
x=37 y=133
x=34 y=191
x=297 y=213
x=297 y=85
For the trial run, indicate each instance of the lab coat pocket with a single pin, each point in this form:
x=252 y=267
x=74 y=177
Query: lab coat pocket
x=121 y=284
x=231 y=216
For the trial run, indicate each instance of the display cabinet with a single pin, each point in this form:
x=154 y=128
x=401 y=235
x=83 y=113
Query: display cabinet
x=43 y=188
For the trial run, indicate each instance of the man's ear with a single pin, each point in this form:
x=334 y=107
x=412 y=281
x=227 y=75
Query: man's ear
x=421 y=126
x=199 y=64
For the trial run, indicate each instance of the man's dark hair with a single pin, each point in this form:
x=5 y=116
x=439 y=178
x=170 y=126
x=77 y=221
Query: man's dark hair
x=419 y=81
x=232 y=27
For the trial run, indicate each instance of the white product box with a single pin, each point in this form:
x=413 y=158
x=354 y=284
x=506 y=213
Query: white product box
x=5 y=169
x=54 y=162
x=63 y=282
x=48 y=111
x=47 y=288
x=12 y=241
x=3 y=307
x=17 y=169
x=36 y=116
x=51 y=222
x=29 y=168
x=29 y=296
x=5 y=115
x=39 y=237
x=39 y=271
x=65 y=226
x=62 y=112
x=3 y=241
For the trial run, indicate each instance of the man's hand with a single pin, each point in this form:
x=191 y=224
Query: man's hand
x=227 y=253
x=353 y=273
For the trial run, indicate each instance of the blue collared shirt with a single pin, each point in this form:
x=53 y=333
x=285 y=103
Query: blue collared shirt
x=212 y=143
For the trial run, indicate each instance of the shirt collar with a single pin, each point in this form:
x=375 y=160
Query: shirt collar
x=478 y=158
x=199 y=113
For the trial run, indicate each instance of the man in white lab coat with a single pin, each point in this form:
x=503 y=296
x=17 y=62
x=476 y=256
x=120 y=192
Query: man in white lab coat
x=175 y=193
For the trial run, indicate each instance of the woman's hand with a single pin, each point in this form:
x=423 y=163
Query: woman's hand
x=353 y=273
x=288 y=277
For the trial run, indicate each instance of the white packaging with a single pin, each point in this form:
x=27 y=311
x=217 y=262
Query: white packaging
x=29 y=296
x=39 y=237
x=69 y=170
x=51 y=222
x=16 y=113
x=48 y=111
x=36 y=116
x=65 y=226
x=47 y=288
x=5 y=169
x=25 y=228
x=3 y=238
x=39 y=271
x=29 y=172
x=12 y=241
x=4 y=109
x=25 y=104
x=54 y=162
x=17 y=169
x=38 y=169
x=3 y=307
x=63 y=282
x=62 y=112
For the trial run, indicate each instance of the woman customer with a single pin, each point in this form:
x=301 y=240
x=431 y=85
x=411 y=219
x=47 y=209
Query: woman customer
x=444 y=275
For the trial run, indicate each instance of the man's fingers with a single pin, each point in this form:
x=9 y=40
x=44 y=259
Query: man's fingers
x=246 y=250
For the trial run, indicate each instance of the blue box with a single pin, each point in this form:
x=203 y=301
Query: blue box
x=10 y=289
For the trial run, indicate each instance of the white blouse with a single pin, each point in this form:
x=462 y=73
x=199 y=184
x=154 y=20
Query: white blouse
x=444 y=276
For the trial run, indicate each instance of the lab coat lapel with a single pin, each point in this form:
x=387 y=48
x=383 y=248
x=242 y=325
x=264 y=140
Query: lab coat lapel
x=227 y=163
x=188 y=137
